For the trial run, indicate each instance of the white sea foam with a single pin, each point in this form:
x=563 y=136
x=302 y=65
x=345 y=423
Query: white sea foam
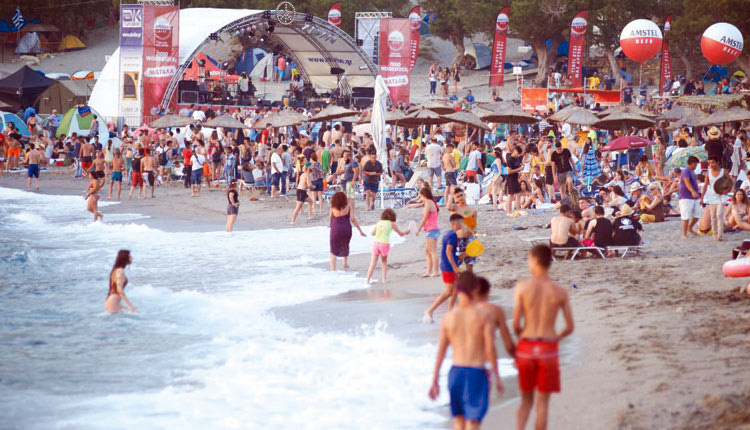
x=203 y=350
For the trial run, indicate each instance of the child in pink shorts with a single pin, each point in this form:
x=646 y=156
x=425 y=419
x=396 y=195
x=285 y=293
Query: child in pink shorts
x=381 y=245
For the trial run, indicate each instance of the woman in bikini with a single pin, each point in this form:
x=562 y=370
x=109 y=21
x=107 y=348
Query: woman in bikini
x=117 y=283
x=233 y=204
x=93 y=195
x=735 y=218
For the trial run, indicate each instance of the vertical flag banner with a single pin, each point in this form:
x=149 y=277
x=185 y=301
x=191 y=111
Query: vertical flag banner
x=334 y=14
x=666 y=58
x=18 y=21
x=131 y=60
x=415 y=20
x=395 y=56
x=160 y=53
x=497 y=69
x=577 y=47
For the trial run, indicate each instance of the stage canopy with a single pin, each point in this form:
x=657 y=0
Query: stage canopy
x=314 y=44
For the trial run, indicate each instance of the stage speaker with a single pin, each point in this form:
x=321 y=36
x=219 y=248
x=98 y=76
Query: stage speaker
x=363 y=92
x=189 y=97
x=363 y=102
x=187 y=86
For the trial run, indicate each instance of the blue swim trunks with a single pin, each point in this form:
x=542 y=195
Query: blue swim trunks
x=116 y=177
x=470 y=392
x=33 y=171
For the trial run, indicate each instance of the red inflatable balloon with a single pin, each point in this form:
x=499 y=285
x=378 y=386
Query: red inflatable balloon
x=640 y=40
x=722 y=43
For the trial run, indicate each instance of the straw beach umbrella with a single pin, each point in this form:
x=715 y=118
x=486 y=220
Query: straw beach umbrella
x=511 y=114
x=171 y=120
x=622 y=120
x=581 y=116
x=679 y=112
x=467 y=118
x=332 y=112
x=434 y=106
x=225 y=121
x=282 y=118
x=564 y=113
x=628 y=109
x=723 y=116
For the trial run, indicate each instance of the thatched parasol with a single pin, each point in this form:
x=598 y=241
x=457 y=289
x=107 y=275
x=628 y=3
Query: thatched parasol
x=434 y=106
x=511 y=114
x=282 y=118
x=722 y=116
x=332 y=112
x=466 y=118
x=422 y=116
x=716 y=100
x=171 y=120
x=225 y=121
x=564 y=113
x=679 y=112
x=629 y=109
x=580 y=116
x=623 y=120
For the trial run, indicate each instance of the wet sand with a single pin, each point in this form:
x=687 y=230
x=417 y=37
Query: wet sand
x=660 y=339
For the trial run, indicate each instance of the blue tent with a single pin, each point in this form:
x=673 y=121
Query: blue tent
x=6 y=117
x=248 y=59
x=562 y=48
x=715 y=73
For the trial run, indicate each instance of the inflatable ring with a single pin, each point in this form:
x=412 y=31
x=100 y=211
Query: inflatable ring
x=738 y=268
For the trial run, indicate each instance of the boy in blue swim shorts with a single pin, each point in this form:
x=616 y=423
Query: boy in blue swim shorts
x=470 y=332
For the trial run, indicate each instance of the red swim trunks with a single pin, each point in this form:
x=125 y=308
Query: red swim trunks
x=137 y=179
x=448 y=277
x=538 y=366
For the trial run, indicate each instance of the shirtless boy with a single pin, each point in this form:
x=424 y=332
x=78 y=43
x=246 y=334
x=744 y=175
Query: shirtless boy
x=449 y=171
x=469 y=331
x=34 y=158
x=563 y=229
x=536 y=302
x=148 y=171
x=448 y=266
x=87 y=159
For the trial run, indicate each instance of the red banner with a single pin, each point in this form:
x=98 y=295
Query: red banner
x=161 y=27
x=415 y=20
x=497 y=69
x=334 y=14
x=666 y=58
x=577 y=46
x=395 y=56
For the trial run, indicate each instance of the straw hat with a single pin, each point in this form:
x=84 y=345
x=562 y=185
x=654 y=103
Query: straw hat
x=714 y=133
x=626 y=210
x=635 y=186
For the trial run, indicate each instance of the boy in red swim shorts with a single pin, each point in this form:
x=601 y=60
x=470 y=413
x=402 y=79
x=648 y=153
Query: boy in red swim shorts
x=536 y=302
x=448 y=266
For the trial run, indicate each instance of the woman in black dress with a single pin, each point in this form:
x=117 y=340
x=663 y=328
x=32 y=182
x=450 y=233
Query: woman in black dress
x=233 y=204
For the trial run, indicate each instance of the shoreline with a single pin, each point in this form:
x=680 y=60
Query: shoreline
x=661 y=338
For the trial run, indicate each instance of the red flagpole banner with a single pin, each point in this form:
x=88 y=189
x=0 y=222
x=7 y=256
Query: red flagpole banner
x=395 y=56
x=576 y=47
x=160 y=53
x=334 y=14
x=666 y=58
x=497 y=69
x=415 y=20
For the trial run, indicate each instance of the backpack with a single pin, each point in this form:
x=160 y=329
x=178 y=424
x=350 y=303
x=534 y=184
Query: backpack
x=162 y=158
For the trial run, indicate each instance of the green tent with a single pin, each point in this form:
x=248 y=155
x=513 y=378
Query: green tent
x=78 y=120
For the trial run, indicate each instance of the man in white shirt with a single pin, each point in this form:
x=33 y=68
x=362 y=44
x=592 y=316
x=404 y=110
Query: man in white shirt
x=179 y=137
x=433 y=151
x=199 y=115
x=277 y=169
x=196 y=174
x=738 y=156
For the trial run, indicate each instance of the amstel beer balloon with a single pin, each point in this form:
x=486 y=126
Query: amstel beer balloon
x=640 y=40
x=721 y=43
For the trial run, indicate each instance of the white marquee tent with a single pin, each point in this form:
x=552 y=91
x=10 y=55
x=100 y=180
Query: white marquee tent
x=198 y=23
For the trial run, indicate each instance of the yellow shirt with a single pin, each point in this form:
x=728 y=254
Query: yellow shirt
x=456 y=156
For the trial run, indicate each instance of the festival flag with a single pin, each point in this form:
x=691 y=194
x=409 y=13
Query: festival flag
x=334 y=14
x=84 y=111
x=666 y=59
x=576 y=47
x=18 y=18
x=395 y=57
x=415 y=20
x=161 y=48
x=497 y=69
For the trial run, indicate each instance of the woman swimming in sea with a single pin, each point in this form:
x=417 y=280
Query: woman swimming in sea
x=117 y=283
x=93 y=195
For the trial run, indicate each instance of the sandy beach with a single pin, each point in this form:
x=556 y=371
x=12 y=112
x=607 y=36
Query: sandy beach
x=660 y=339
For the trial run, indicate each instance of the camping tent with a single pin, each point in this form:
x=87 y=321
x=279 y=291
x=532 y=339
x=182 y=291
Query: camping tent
x=480 y=53
x=248 y=59
x=29 y=44
x=78 y=120
x=264 y=68
x=6 y=117
x=63 y=95
x=22 y=87
x=70 y=43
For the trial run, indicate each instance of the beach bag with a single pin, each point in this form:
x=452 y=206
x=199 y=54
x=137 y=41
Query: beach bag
x=723 y=185
x=162 y=158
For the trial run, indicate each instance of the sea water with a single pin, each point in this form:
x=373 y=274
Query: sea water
x=204 y=349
